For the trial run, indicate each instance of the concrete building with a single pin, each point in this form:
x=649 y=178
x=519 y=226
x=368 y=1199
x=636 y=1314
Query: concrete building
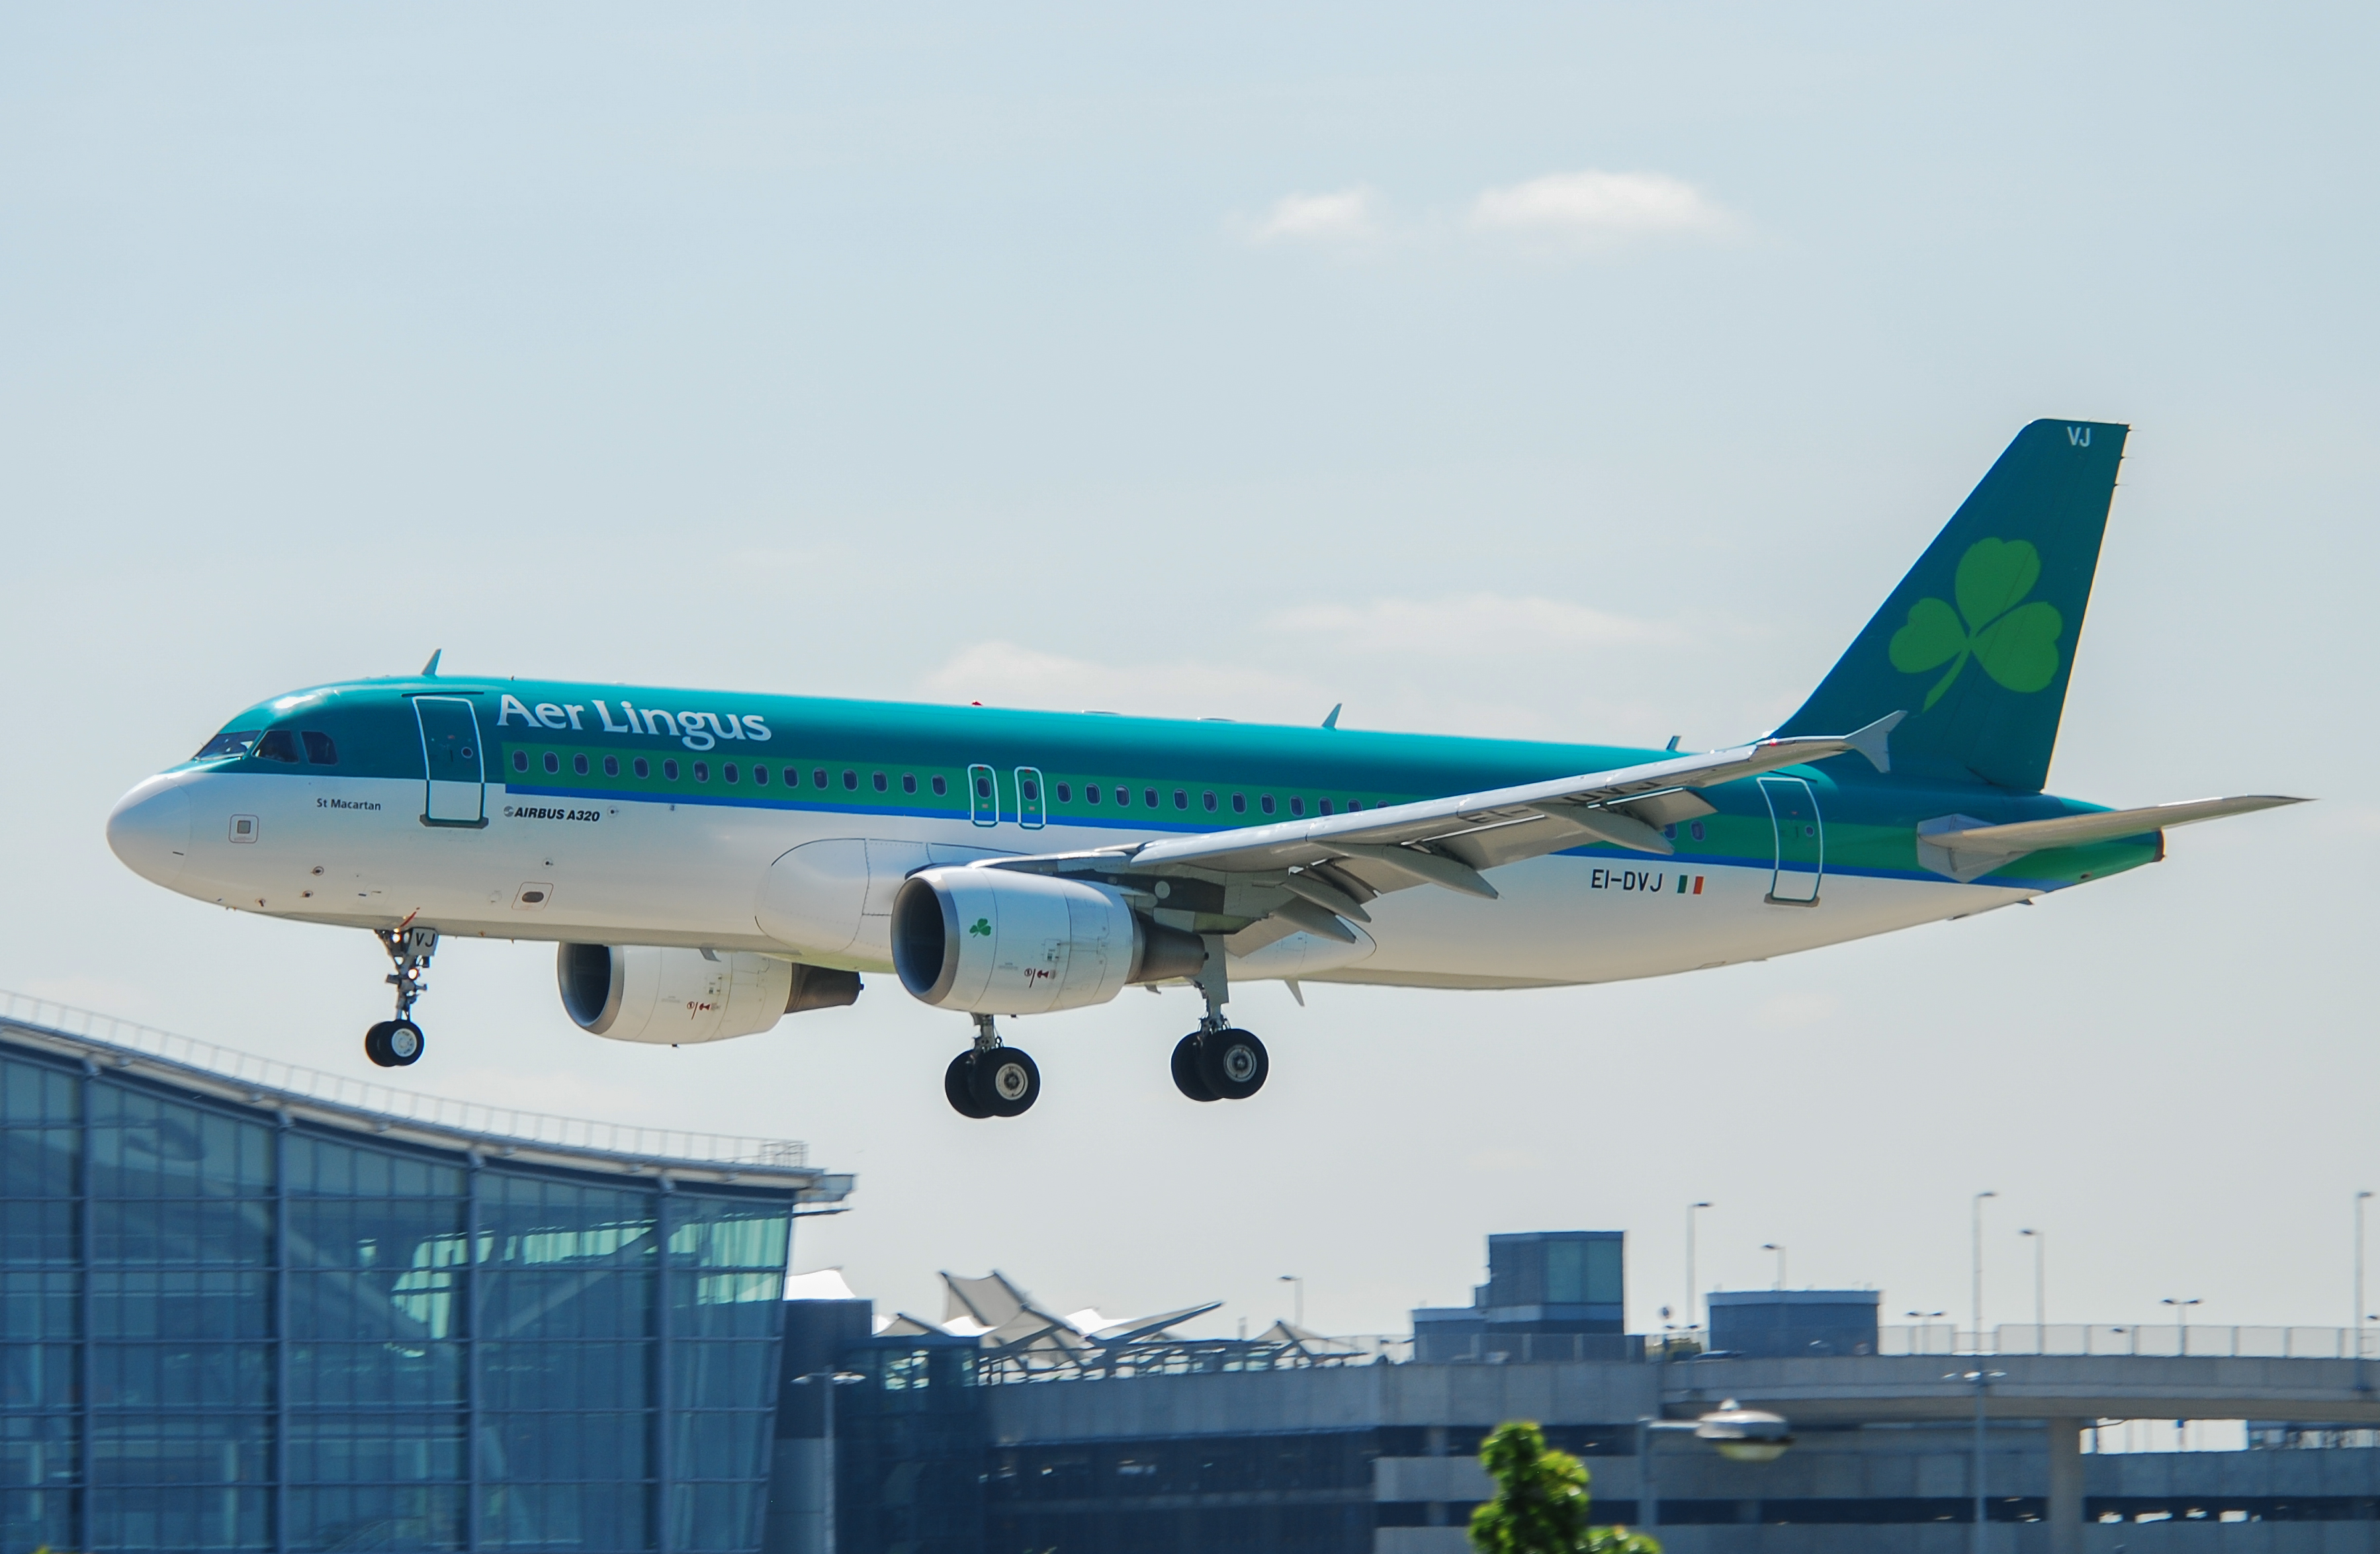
x=252 y=1307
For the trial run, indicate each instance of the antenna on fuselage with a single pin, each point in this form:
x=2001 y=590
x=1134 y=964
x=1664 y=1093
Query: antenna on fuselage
x=1332 y=720
x=429 y=670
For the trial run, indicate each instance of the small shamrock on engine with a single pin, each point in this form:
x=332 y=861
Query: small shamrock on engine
x=2015 y=642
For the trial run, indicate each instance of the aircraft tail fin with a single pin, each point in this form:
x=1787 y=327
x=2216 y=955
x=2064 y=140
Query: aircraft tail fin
x=1977 y=642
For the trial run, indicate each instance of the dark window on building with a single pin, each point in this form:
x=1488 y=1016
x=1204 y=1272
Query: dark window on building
x=941 y=786
x=729 y=771
x=669 y=771
x=320 y=751
x=278 y=744
x=879 y=781
x=578 y=765
x=610 y=766
x=644 y=768
x=520 y=761
x=553 y=763
x=703 y=772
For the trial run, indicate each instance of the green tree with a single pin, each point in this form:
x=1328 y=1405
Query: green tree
x=1541 y=1501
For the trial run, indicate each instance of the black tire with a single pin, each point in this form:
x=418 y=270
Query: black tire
x=1233 y=1063
x=1006 y=1082
x=958 y=1085
x=1186 y=1077
x=376 y=1045
x=403 y=1043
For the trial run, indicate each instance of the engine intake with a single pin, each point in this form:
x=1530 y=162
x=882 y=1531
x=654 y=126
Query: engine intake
x=636 y=993
x=998 y=941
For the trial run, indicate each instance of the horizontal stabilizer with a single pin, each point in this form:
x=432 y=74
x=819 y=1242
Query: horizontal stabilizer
x=1965 y=849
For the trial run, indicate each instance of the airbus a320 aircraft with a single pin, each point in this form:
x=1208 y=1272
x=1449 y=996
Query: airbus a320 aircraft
x=711 y=862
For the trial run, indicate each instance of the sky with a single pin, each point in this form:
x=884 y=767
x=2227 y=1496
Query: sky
x=1576 y=371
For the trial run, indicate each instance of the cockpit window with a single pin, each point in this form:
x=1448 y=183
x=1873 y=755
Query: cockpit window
x=320 y=751
x=230 y=741
x=278 y=744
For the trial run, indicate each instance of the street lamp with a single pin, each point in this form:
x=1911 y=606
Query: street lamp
x=1983 y=1379
x=2181 y=1314
x=1694 y=1295
x=1737 y=1433
x=1298 y=1281
x=1924 y=1320
x=2360 y=1317
x=826 y=1455
x=2040 y=1290
x=1978 y=1213
x=1773 y=1246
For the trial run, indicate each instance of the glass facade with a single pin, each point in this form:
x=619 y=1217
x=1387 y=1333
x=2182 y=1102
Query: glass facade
x=226 y=1331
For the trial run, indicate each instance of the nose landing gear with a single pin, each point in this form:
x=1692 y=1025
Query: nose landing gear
x=991 y=1079
x=398 y=1043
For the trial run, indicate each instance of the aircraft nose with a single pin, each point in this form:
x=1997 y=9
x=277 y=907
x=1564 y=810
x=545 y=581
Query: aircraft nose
x=151 y=829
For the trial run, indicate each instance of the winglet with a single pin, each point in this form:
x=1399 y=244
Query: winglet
x=1332 y=720
x=429 y=670
x=1875 y=741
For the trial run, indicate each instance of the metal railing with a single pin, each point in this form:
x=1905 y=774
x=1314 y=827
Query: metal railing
x=2160 y=1340
x=1186 y=1356
x=268 y=1078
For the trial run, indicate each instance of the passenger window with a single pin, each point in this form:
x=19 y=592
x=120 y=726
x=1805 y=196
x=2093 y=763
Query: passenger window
x=1698 y=831
x=520 y=761
x=669 y=771
x=1265 y=804
x=1032 y=788
x=1090 y=793
x=578 y=765
x=278 y=744
x=610 y=766
x=983 y=787
x=818 y=777
x=1239 y=804
x=553 y=763
x=1066 y=793
x=1297 y=806
x=850 y=781
x=320 y=751
x=644 y=768
x=230 y=741
x=879 y=781
x=941 y=786
x=1353 y=804
x=1148 y=797
x=729 y=771
x=1209 y=798
x=703 y=772
x=1181 y=800
x=1325 y=806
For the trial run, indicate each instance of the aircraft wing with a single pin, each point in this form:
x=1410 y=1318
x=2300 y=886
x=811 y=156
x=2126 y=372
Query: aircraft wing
x=1449 y=841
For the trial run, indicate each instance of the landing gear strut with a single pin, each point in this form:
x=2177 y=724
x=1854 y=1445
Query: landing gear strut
x=1219 y=1060
x=991 y=1079
x=398 y=1043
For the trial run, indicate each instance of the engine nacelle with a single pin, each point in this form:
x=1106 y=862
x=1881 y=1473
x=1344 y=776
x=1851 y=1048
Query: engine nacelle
x=998 y=941
x=636 y=992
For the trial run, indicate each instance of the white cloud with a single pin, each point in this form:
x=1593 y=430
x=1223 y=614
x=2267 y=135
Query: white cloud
x=1350 y=215
x=1593 y=208
x=1471 y=625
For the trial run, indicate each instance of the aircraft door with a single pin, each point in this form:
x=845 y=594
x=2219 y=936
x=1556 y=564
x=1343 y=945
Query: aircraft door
x=1029 y=809
x=1801 y=840
x=983 y=795
x=454 y=762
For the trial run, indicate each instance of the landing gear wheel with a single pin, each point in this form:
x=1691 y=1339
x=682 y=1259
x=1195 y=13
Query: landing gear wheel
x=376 y=1044
x=394 y=1043
x=1186 y=1077
x=1232 y=1062
x=958 y=1085
x=1006 y=1082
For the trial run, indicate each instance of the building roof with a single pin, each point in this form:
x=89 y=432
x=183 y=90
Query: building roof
x=103 y=1043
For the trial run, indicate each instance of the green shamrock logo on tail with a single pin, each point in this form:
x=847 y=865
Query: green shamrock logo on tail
x=2015 y=642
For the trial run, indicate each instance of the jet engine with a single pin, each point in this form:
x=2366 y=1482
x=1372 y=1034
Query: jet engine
x=636 y=992
x=998 y=941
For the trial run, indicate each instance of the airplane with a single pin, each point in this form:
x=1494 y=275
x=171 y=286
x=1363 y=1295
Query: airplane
x=709 y=863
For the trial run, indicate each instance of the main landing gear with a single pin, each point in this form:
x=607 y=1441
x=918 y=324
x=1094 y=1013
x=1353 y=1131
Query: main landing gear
x=398 y=1043
x=989 y=1079
x=1219 y=1060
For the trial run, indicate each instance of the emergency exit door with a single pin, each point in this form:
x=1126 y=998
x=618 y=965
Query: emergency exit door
x=1801 y=840
x=453 y=763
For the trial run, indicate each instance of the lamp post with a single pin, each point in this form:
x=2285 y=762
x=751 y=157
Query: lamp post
x=2040 y=1291
x=2181 y=1314
x=1978 y=1265
x=1924 y=1320
x=1780 y=1250
x=1297 y=1281
x=826 y=1454
x=2359 y=1278
x=1694 y=1295
x=1983 y=1379
x=1739 y=1434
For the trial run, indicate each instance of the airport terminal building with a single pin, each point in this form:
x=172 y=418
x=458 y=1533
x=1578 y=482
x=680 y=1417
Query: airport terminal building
x=249 y=1307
